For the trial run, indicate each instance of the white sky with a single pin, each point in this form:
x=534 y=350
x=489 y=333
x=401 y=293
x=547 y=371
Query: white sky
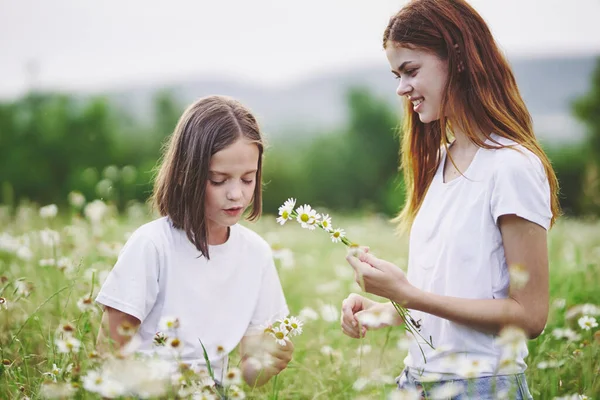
x=94 y=44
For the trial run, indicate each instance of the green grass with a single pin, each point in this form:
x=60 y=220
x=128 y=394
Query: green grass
x=320 y=276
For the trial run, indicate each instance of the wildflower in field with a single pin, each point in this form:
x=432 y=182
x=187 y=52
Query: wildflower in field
x=24 y=253
x=169 y=323
x=286 y=256
x=511 y=339
x=53 y=373
x=519 y=276
x=47 y=262
x=292 y=325
x=308 y=313
x=363 y=349
x=52 y=390
x=587 y=322
x=446 y=391
x=472 y=368
x=582 y=309
x=235 y=392
x=559 y=303
x=550 y=364
x=337 y=235
x=76 y=199
x=49 y=237
x=360 y=384
x=86 y=304
x=566 y=333
x=65 y=265
x=329 y=313
x=49 y=211
x=175 y=344
x=126 y=329
x=22 y=288
x=405 y=394
x=3 y=304
x=67 y=345
x=232 y=377
x=65 y=329
x=95 y=211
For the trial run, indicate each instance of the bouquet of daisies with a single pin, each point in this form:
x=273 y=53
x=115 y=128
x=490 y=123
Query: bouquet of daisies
x=310 y=219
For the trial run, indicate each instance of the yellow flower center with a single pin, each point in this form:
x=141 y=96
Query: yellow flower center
x=304 y=217
x=285 y=215
x=279 y=335
x=336 y=234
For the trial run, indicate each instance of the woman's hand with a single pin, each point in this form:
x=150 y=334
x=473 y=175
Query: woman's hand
x=381 y=278
x=360 y=314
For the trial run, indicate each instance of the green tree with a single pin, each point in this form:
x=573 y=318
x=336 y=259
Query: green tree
x=587 y=110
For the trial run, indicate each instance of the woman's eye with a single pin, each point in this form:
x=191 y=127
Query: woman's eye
x=247 y=181
x=217 y=183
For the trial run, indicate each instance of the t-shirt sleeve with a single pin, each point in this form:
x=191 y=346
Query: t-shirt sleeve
x=521 y=188
x=132 y=285
x=271 y=304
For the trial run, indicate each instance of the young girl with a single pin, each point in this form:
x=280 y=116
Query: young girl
x=196 y=269
x=481 y=197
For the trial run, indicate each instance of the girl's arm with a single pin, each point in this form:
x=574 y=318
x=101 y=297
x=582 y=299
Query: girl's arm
x=114 y=323
x=526 y=307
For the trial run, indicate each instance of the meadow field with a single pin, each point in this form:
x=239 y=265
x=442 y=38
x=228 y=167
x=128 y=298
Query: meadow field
x=52 y=265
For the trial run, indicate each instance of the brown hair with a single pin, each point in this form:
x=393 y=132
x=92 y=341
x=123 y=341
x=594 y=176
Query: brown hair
x=206 y=127
x=480 y=88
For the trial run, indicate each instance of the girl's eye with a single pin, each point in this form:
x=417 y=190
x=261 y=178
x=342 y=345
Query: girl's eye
x=411 y=72
x=217 y=183
x=247 y=182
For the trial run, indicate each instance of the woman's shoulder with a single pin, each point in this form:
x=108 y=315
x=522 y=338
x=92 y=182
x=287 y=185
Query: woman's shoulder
x=512 y=156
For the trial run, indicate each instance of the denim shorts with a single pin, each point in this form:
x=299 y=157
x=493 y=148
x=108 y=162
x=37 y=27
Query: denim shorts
x=513 y=387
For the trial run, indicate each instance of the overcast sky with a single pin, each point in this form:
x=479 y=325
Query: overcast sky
x=96 y=44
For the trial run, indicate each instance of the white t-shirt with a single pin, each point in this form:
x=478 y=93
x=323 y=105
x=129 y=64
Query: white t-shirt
x=159 y=274
x=456 y=249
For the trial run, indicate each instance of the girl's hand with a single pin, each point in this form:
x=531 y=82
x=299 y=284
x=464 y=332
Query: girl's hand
x=381 y=278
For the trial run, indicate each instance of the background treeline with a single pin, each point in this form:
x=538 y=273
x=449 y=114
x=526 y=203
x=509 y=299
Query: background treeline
x=53 y=144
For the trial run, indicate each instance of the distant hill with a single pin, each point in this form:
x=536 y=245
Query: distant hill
x=317 y=105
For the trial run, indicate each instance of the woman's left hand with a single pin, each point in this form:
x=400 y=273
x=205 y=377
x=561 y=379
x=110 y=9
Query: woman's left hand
x=381 y=278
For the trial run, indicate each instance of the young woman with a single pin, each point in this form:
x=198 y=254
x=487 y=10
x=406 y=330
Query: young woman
x=481 y=197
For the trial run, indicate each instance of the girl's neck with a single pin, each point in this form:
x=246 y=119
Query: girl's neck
x=218 y=235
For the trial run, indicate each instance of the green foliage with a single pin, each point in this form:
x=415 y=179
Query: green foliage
x=351 y=169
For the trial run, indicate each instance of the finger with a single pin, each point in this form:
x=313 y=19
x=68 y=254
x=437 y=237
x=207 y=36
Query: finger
x=350 y=331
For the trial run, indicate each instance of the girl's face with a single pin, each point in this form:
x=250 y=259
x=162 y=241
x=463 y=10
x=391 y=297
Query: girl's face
x=422 y=76
x=230 y=187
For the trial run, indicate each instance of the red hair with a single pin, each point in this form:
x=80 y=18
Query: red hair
x=481 y=93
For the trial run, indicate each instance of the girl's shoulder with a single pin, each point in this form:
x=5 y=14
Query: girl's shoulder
x=248 y=238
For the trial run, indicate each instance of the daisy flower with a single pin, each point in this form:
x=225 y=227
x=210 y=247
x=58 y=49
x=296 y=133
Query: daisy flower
x=586 y=322
x=67 y=345
x=307 y=217
x=169 y=323
x=285 y=214
x=232 y=377
x=326 y=223
x=337 y=235
x=280 y=334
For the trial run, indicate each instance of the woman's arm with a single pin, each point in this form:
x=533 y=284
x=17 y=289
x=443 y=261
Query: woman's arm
x=526 y=307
